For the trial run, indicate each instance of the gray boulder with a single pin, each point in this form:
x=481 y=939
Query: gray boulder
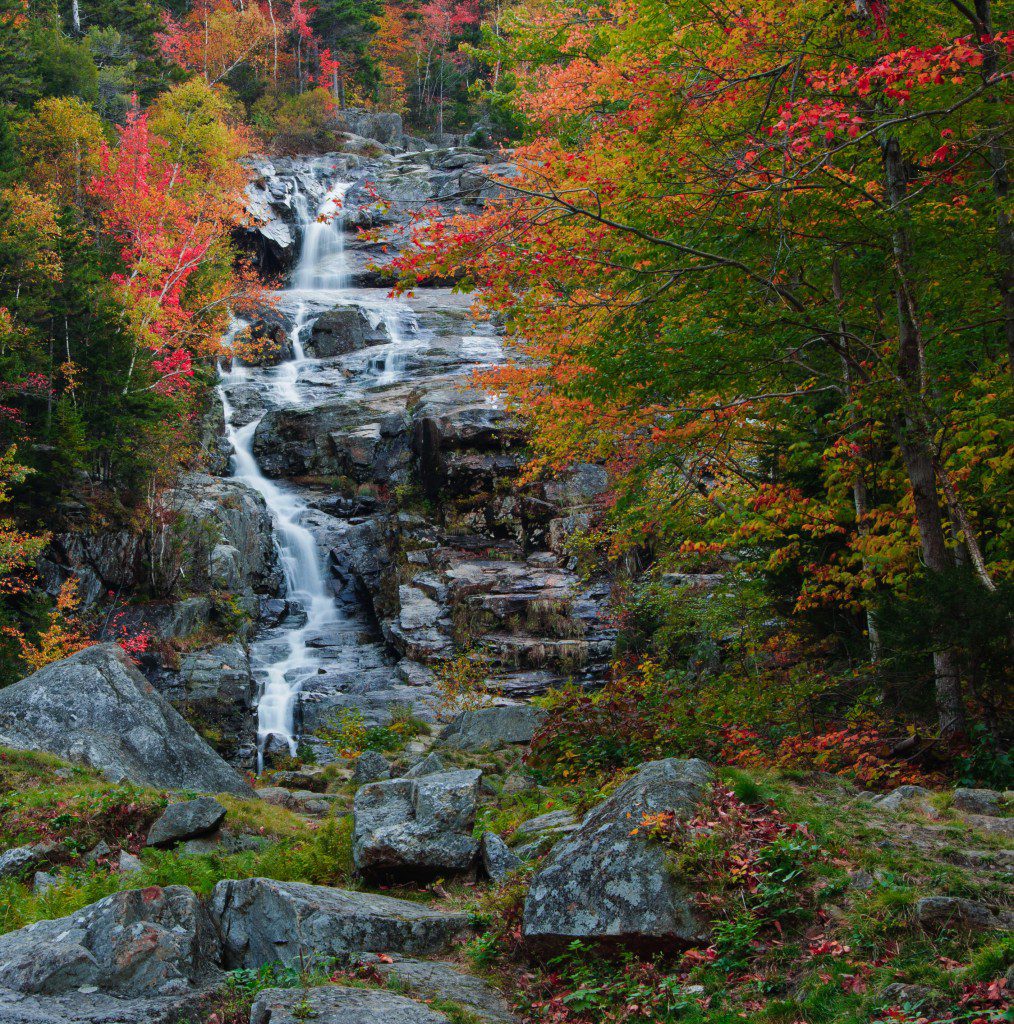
x=978 y=801
x=333 y=1004
x=96 y=708
x=370 y=766
x=42 y=881
x=898 y=798
x=187 y=819
x=23 y=860
x=492 y=728
x=952 y=913
x=498 y=859
x=433 y=979
x=343 y=330
x=262 y=921
x=429 y=765
x=380 y=126
x=128 y=864
x=144 y=942
x=601 y=882
x=416 y=827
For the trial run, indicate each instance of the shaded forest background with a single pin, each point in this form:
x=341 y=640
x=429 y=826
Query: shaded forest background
x=757 y=262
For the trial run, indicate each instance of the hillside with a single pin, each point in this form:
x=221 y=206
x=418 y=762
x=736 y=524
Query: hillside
x=505 y=513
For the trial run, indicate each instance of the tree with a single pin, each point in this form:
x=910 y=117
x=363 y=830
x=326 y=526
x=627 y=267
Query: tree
x=60 y=143
x=742 y=263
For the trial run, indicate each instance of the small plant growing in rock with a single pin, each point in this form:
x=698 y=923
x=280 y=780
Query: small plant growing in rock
x=345 y=733
x=461 y=685
x=348 y=735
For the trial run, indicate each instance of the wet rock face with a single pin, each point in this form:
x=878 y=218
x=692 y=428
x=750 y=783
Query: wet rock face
x=263 y=921
x=230 y=545
x=416 y=828
x=95 y=707
x=143 y=942
x=602 y=883
x=343 y=330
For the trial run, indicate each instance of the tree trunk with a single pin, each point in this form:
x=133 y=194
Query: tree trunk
x=860 y=495
x=914 y=442
x=996 y=157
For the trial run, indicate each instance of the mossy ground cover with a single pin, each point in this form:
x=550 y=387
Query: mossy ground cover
x=810 y=889
x=42 y=799
x=811 y=894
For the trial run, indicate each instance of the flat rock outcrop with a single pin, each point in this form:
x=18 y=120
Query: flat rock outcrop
x=333 y=1004
x=602 y=883
x=262 y=921
x=97 y=709
x=434 y=979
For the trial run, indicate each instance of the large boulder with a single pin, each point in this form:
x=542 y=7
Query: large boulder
x=492 y=728
x=96 y=708
x=417 y=828
x=262 y=921
x=380 y=126
x=979 y=801
x=187 y=819
x=602 y=883
x=143 y=942
x=333 y=1004
x=345 y=329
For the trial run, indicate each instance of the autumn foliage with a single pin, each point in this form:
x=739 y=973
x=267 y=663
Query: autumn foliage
x=758 y=262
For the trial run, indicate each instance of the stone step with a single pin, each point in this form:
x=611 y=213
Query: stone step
x=263 y=921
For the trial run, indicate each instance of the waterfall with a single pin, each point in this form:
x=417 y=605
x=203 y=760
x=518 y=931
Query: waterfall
x=286 y=658
x=322 y=247
x=305 y=587
x=318 y=641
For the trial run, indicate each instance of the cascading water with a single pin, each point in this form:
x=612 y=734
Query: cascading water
x=321 y=265
x=321 y=649
x=289 y=658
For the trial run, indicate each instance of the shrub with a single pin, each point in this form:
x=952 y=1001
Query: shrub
x=348 y=735
x=756 y=869
x=299 y=124
x=461 y=685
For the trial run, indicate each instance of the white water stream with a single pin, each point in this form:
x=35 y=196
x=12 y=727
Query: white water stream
x=292 y=660
x=318 y=642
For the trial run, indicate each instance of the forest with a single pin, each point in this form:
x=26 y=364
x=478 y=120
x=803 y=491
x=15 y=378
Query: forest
x=628 y=381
